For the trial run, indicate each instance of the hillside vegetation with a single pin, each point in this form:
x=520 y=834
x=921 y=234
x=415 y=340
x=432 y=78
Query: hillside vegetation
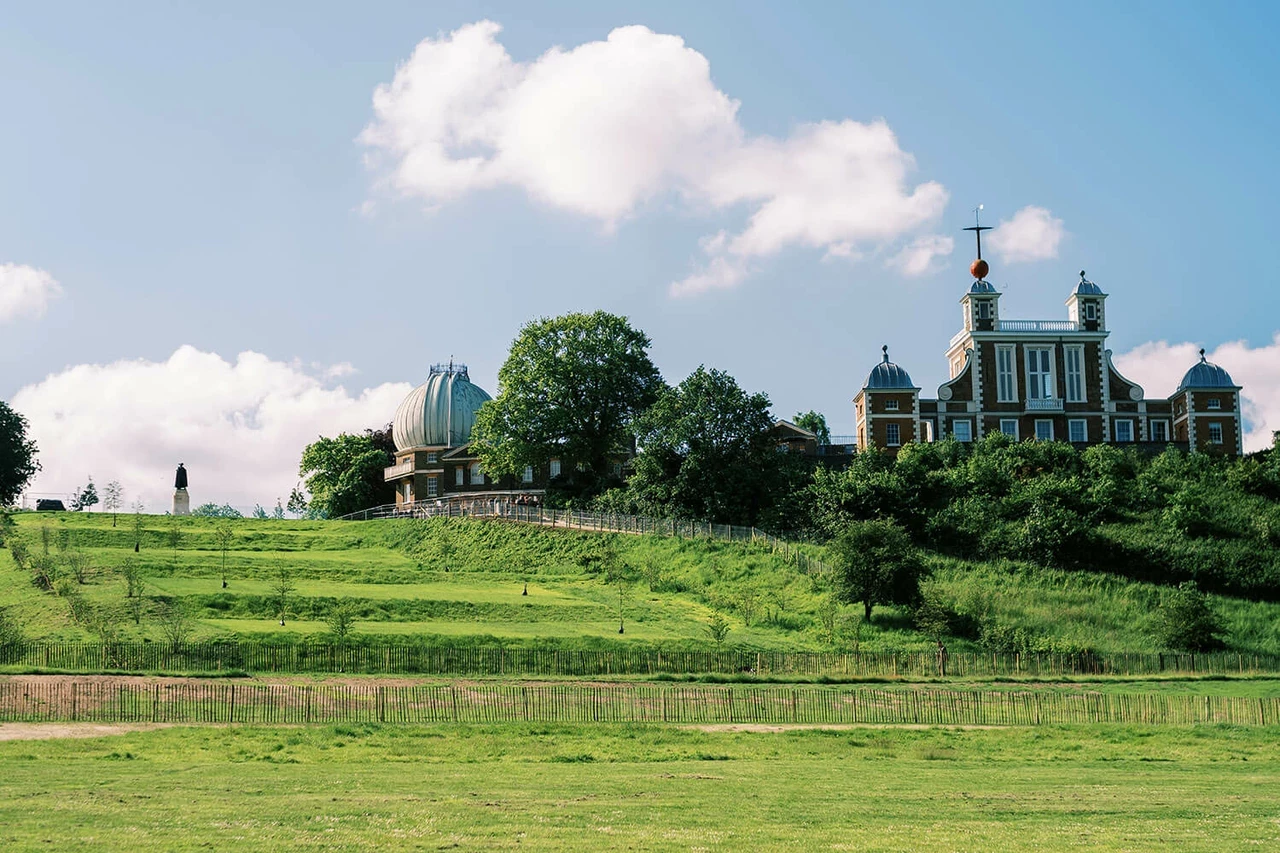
x=464 y=581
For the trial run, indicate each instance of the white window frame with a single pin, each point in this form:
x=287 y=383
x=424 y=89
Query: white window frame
x=1214 y=404
x=1117 y=424
x=1006 y=373
x=408 y=491
x=926 y=430
x=1215 y=433
x=477 y=474
x=433 y=487
x=1091 y=310
x=1004 y=422
x=891 y=405
x=1044 y=422
x=893 y=435
x=527 y=476
x=1152 y=425
x=457 y=476
x=968 y=430
x=555 y=467
x=1084 y=430
x=1048 y=383
x=433 y=457
x=982 y=309
x=1074 y=372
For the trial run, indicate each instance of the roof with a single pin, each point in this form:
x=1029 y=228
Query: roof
x=1087 y=288
x=785 y=425
x=1206 y=374
x=886 y=374
x=440 y=412
x=982 y=286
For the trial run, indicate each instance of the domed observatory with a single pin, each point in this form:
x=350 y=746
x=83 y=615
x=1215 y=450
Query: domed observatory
x=432 y=431
x=887 y=407
x=1206 y=409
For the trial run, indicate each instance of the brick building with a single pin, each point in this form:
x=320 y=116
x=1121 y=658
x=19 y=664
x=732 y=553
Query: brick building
x=1050 y=380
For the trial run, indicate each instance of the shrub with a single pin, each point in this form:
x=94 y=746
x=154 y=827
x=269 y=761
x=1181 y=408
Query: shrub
x=1186 y=621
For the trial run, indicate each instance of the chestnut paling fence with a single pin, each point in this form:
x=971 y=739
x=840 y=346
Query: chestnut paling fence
x=502 y=661
x=202 y=702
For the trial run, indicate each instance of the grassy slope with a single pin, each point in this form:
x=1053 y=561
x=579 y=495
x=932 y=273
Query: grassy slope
x=459 y=579
x=1105 y=788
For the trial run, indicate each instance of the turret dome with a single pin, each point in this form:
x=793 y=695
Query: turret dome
x=440 y=412
x=1205 y=374
x=1087 y=288
x=886 y=374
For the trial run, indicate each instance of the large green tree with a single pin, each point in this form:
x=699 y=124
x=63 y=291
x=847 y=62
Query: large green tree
x=570 y=389
x=816 y=423
x=876 y=564
x=18 y=463
x=706 y=452
x=344 y=474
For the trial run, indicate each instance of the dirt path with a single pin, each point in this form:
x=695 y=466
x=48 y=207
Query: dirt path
x=53 y=731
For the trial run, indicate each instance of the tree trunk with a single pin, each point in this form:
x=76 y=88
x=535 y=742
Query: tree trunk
x=866 y=610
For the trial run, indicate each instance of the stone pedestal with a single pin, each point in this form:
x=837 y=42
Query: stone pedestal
x=181 y=502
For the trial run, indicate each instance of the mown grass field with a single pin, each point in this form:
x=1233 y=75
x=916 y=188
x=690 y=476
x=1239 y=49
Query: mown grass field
x=463 y=581
x=1206 y=788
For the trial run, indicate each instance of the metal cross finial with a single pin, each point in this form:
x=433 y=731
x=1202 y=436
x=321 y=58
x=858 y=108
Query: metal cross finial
x=978 y=228
x=885 y=350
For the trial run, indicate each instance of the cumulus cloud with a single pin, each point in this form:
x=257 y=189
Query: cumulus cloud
x=918 y=257
x=607 y=126
x=1158 y=367
x=239 y=426
x=1033 y=234
x=25 y=292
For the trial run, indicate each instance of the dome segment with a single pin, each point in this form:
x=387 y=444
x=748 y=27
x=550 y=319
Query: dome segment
x=440 y=412
x=1206 y=375
x=886 y=375
x=1087 y=288
x=982 y=286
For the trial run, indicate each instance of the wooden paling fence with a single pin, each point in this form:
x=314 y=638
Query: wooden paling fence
x=496 y=660
x=199 y=702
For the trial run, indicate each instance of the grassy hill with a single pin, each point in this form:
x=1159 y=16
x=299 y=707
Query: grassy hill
x=463 y=581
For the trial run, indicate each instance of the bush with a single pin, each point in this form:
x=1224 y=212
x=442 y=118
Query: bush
x=1186 y=621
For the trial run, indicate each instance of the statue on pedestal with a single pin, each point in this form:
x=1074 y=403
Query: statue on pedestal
x=181 y=500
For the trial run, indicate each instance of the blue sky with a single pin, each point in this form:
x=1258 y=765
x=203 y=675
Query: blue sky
x=193 y=175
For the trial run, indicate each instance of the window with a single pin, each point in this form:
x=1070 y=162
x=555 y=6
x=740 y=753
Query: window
x=477 y=474
x=1214 y=403
x=1009 y=426
x=1074 y=359
x=1124 y=431
x=1159 y=430
x=1044 y=430
x=1006 y=381
x=892 y=435
x=1091 y=310
x=1077 y=431
x=984 y=310
x=555 y=467
x=1215 y=433
x=528 y=474
x=433 y=487
x=1039 y=373
x=927 y=428
x=962 y=430
x=457 y=476
x=432 y=456
x=408 y=491
x=892 y=405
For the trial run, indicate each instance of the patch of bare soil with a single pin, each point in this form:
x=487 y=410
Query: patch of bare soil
x=53 y=731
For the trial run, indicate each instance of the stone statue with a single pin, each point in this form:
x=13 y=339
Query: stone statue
x=180 y=481
x=181 y=500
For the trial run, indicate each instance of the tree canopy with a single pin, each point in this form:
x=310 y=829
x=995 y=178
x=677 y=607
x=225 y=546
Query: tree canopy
x=706 y=452
x=877 y=564
x=816 y=423
x=18 y=463
x=570 y=389
x=345 y=474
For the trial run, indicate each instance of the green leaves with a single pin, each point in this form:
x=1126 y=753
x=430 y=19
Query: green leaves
x=344 y=474
x=18 y=463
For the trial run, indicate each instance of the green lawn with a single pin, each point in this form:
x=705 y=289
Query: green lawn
x=644 y=788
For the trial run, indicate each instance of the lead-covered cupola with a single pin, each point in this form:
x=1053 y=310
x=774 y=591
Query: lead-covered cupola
x=440 y=412
x=1086 y=306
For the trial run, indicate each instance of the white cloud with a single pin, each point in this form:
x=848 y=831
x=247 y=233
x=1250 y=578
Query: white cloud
x=1158 y=367
x=918 y=257
x=239 y=426
x=1033 y=234
x=25 y=292
x=604 y=127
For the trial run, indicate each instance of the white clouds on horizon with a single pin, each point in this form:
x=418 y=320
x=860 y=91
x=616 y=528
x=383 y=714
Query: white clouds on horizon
x=25 y=292
x=1158 y=367
x=1033 y=234
x=239 y=426
x=607 y=126
x=918 y=258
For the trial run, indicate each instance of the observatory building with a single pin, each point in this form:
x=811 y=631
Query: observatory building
x=1049 y=380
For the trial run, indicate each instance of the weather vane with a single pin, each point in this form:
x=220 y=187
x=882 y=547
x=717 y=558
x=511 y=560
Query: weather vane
x=978 y=268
